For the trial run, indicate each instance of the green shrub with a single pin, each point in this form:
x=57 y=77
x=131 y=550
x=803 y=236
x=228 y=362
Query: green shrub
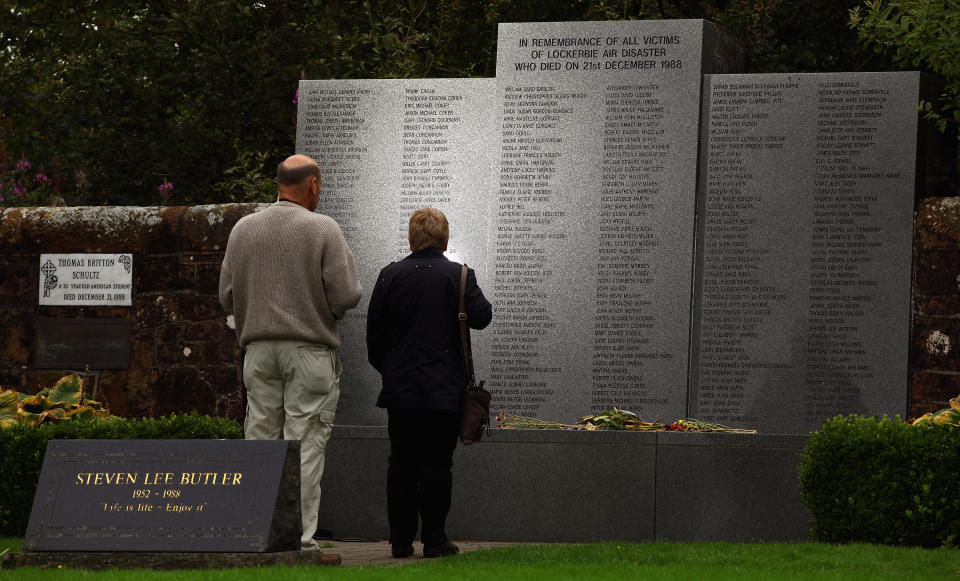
x=22 y=448
x=880 y=480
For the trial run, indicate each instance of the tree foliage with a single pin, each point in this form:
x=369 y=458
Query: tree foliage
x=918 y=34
x=193 y=101
x=118 y=98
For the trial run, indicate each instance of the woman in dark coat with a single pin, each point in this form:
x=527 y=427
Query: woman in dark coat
x=413 y=340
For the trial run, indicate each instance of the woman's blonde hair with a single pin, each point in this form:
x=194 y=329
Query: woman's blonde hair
x=428 y=229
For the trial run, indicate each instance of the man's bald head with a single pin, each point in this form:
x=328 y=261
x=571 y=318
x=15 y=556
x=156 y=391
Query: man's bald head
x=297 y=169
x=298 y=179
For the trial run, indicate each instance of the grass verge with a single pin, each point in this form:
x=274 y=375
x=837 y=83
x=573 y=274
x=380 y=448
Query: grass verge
x=686 y=561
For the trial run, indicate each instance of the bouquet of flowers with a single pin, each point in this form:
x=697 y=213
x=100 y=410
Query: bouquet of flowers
x=615 y=419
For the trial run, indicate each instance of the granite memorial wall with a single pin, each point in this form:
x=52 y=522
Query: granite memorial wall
x=571 y=184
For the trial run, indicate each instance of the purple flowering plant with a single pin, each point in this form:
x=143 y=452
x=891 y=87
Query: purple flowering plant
x=166 y=192
x=20 y=183
x=23 y=186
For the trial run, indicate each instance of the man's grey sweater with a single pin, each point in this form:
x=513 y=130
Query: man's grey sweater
x=288 y=274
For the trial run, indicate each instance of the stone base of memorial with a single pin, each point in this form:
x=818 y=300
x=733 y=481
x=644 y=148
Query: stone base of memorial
x=587 y=486
x=167 y=504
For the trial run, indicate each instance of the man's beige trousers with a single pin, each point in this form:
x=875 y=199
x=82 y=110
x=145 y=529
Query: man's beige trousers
x=292 y=392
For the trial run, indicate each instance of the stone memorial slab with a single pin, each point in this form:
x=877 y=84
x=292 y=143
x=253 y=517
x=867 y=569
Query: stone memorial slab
x=804 y=263
x=81 y=343
x=592 y=226
x=386 y=148
x=86 y=279
x=167 y=496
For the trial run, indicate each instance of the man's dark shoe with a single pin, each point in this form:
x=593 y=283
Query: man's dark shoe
x=401 y=551
x=323 y=535
x=444 y=550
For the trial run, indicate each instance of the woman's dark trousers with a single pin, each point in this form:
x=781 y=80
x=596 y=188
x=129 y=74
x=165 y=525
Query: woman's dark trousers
x=419 y=480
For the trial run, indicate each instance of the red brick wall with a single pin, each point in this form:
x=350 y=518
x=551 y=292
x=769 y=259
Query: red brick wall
x=935 y=333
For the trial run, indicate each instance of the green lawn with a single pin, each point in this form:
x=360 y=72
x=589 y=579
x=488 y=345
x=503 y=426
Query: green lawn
x=654 y=561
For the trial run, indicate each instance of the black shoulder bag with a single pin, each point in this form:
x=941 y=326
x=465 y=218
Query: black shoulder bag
x=475 y=405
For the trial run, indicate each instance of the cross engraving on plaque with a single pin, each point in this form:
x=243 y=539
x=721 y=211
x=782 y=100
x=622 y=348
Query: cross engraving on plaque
x=49 y=277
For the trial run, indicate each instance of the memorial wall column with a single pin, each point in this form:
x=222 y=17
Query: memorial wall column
x=593 y=220
x=387 y=148
x=803 y=286
x=752 y=194
x=856 y=232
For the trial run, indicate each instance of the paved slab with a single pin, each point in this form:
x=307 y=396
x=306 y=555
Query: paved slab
x=358 y=553
x=369 y=553
x=98 y=561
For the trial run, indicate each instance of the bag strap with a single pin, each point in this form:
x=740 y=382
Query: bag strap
x=464 y=332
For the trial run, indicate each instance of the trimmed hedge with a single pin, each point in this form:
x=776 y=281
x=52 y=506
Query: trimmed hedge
x=882 y=481
x=22 y=449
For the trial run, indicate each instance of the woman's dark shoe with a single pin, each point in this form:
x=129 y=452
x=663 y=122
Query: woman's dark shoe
x=401 y=551
x=444 y=550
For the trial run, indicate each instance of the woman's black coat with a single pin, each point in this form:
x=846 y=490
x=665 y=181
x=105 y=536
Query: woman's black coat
x=413 y=333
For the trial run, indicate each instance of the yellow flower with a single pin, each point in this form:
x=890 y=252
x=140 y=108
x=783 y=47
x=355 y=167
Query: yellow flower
x=924 y=418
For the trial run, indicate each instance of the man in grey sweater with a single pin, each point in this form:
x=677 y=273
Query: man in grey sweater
x=288 y=277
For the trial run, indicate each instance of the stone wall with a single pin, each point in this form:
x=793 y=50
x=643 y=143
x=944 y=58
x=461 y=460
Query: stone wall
x=184 y=356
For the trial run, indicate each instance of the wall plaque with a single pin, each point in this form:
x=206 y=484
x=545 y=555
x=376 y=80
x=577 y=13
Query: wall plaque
x=167 y=495
x=79 y=343
x=86 y=279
